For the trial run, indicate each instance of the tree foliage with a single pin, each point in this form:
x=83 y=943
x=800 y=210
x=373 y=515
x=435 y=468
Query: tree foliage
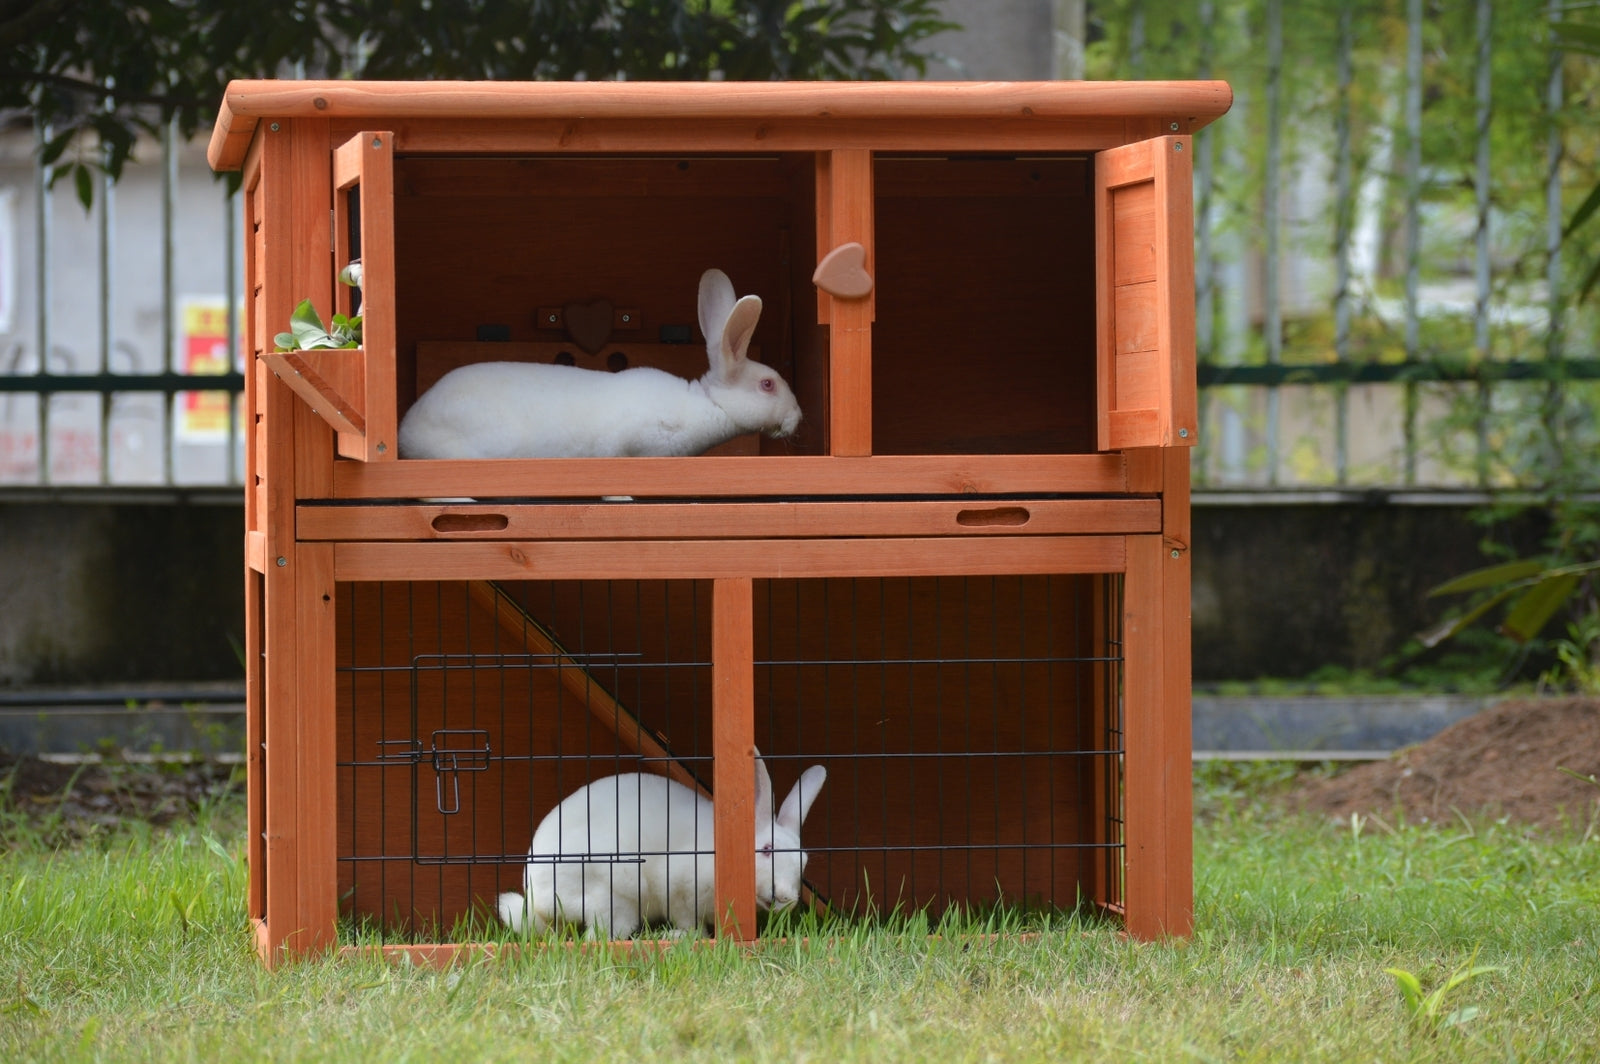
x=114 y=68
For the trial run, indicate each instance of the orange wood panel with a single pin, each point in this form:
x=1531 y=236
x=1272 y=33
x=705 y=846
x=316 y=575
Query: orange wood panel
x=308 y=245
x=1159 y=856
x=1144 y=282
x=733 y=747
x=312 y=375
x=707 y=559
x=378 y=296
x=1176 y=696
x=673 y=177
x=880 y=108
x=255 y=849
x=314 y=750
x=779 y=520
x=846 y=183
x=255 y=552
x=711 y=476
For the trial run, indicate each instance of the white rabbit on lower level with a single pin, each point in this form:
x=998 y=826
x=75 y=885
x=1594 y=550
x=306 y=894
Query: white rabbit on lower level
x=539 y=410
x=637 y=849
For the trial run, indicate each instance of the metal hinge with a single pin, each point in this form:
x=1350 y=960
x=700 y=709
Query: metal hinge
x=451 y=751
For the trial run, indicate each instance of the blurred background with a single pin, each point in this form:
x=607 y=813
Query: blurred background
x=1396 y=334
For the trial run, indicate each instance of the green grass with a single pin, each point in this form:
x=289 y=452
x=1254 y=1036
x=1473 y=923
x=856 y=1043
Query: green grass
x=132 y=946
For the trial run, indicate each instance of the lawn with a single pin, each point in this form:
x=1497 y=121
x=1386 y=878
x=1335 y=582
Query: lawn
x=131 y=946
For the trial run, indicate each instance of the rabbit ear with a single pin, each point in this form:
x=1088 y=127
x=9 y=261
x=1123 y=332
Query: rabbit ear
x=763 y=790
x=798 y=802
x=716 y=303
x=738 y=331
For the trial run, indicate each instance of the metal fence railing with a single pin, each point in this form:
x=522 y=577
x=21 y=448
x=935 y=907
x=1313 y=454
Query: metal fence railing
x=1385 y=296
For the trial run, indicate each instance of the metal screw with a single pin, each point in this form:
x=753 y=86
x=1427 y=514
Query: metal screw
x=274 y=127
x=1173 y=127
x=626 y=318
x=1183 y=433
x=1178 y=146
x=282 y=562
x=1175 y=552
x=383 y=448
x=377 y=142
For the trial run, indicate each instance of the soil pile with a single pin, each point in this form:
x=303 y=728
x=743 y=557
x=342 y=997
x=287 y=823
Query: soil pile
x=1506 y=761
x=67 y=801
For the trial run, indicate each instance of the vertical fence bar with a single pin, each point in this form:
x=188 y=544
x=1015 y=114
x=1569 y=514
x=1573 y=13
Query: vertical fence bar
x=1481 y=265
x=169 y=216
x=1554 y=152
x=1344 y=214
x=1413 y=222
x=1271 y=312
x=1555 y=335
x=106 y=296
x=1204 y=274
x=41 y=262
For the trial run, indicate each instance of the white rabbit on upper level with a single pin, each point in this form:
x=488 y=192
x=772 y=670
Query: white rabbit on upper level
x=539 y=410
x=637 y=848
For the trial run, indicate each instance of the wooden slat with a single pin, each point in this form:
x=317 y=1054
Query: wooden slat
x=308 y=373
x=847 y=179
x=377 y=300
x=316 y=850
x=733 y=753
x=710 y=559
x=775 y=520
x=879 y=108
x=534 y=638
x=583 y=178
x=709 y=476
x=255 y=551
x=307 y=244
x=1144 y=292
x=255 y=848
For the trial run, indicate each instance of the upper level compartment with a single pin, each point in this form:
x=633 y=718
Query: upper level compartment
x=1021 y=279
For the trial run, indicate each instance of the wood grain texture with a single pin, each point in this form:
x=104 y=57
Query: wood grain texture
x=729 y=476
x=316 y=850
x=832 y=104
x=1145 y=295
x=733 y=748
x=313 y=376
x=696 y=520
x=710 y=559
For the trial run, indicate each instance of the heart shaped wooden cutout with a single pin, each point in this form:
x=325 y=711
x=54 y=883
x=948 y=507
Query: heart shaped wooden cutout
x=842 y=272
x=589 y=324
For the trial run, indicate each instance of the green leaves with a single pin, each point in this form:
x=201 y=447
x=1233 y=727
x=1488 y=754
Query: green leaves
x=306 y=331
x=1426 y=1010
x=1533 y=589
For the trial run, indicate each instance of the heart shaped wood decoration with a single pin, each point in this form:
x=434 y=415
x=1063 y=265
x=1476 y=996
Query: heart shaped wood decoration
x=589 y=324
x=842 y=272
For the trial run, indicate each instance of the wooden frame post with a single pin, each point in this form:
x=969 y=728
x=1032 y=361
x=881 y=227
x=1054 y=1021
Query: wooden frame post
x=844 y=215
x=733 y=753
x=1158 y=857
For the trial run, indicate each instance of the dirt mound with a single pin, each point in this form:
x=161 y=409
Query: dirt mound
x=67 y=801
x=1505 y=761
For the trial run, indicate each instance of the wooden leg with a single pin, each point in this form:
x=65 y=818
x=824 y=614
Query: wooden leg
x=1158 y=834
x=733 y=750
x=315 y=755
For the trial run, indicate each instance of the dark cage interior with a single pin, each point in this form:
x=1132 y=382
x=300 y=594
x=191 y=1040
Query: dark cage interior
x=970 y=729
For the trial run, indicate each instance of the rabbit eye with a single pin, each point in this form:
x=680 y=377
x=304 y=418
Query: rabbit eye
x=767 y=385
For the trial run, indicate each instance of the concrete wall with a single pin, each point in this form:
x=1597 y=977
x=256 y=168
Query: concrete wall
x=109 y=593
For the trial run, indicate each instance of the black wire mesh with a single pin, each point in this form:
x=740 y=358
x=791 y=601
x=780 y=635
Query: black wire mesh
x=969 y=727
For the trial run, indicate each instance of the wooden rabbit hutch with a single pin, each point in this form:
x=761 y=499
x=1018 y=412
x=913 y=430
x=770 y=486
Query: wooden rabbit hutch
x=962 y=585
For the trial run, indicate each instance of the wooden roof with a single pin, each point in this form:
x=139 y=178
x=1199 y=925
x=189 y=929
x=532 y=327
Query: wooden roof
x=1060 y=104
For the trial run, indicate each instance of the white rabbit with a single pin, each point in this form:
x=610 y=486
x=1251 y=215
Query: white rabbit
x=539 y=410
x=651 y=841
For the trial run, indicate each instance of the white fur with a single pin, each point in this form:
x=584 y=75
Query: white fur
x=672 y=829
x=537 y=410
